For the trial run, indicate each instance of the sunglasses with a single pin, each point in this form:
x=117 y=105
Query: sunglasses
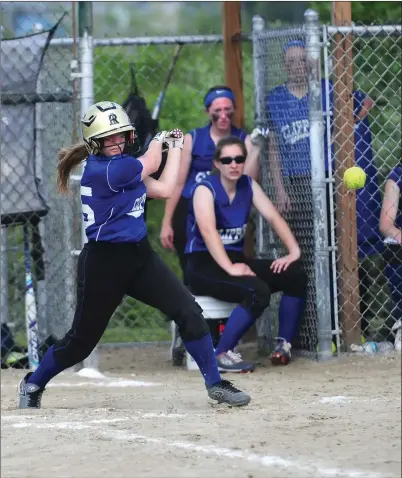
x=229 y=159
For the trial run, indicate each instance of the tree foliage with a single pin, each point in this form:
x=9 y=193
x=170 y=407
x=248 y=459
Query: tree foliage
x=367 y=13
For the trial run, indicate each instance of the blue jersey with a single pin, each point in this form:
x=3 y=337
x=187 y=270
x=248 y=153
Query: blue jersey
x=396 y=175
x=202 y=155
x=231 y=217
x=289 y=119
x=113 y=198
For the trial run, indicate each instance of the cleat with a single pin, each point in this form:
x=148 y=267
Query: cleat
x=30 y=395
x=225 y=392
x=177 y=348
x=233 y=362
x=281 y=355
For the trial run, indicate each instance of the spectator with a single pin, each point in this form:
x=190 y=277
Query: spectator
x=289 y=155
x=216 y=265
x=391 y=228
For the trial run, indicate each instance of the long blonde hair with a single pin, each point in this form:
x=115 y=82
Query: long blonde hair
x=69 y=158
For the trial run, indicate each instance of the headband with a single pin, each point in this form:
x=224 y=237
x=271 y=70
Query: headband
x=218 y=93
x=293 y=44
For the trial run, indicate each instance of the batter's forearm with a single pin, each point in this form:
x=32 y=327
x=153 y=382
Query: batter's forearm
x=169 y=176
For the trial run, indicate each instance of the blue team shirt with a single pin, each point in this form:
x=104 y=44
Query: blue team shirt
x=289 y=119
x=202 y=156
x=396 y=175
x=113 y=198
x=231 y=217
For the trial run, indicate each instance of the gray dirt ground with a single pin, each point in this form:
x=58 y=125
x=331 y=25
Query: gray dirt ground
x=308 y=419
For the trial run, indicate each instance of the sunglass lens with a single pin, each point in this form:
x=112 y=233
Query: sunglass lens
x=229 y=159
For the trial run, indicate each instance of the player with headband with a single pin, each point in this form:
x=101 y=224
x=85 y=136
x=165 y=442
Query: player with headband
x=118 y=260
x=197 y=163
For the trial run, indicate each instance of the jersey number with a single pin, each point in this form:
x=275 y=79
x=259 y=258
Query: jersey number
x=87 y=211
x=88 y=214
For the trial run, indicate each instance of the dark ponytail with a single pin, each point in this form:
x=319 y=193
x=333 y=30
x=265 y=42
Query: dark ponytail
x=69 y=158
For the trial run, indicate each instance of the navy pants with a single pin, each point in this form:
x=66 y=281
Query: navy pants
x=205 y=277
x=107 y=272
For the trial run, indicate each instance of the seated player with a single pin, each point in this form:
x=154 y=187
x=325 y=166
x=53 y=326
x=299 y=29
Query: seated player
x=216 y=265
x=198 y=151
x=391 y=228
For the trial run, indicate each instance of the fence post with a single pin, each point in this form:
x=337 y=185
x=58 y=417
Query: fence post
x=344 y=158
x=318 y=184
x=4 y=277
x=259 y=98
x=86 y=100
x=266 y=324
x=232 y=50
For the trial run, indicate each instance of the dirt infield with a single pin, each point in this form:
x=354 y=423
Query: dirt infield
x=146 y=419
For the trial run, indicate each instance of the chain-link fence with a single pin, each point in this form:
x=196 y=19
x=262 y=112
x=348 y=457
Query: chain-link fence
x=286 y=167
x=304 y=164
x=37 y=225
x=199 y=66
x=365 y=63
x=278 y=73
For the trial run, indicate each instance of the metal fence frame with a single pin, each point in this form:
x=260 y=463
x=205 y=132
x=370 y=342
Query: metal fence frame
x=328 y=32
x=316 y=39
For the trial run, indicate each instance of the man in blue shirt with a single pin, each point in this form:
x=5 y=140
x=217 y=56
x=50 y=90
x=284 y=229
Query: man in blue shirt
x=290 y=164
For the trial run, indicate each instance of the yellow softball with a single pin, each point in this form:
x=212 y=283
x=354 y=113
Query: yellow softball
x=354 y=178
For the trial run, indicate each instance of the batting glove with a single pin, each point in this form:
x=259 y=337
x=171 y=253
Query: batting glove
x=160 y=137
x=174 y=139
x=259 y=134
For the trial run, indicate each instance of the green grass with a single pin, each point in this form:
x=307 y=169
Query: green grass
x=143 y=334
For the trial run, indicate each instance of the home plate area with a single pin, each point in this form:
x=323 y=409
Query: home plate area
x=141 y=417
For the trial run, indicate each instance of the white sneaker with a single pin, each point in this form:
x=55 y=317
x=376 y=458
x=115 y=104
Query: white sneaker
x=232 y=362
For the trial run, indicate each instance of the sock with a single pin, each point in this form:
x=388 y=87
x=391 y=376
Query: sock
x=48 y=368
x=239 y=321
x=290 y=313
x=203 y=353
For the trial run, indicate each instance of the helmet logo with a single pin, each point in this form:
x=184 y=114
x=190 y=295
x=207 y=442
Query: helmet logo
x=113 y=119
x=90 y=120
x=106 y=108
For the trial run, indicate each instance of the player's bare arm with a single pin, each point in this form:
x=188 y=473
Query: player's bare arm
x=275 y=169
x=280 y=226
x=163 y=187
x=389 y=211
x=166 y=234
